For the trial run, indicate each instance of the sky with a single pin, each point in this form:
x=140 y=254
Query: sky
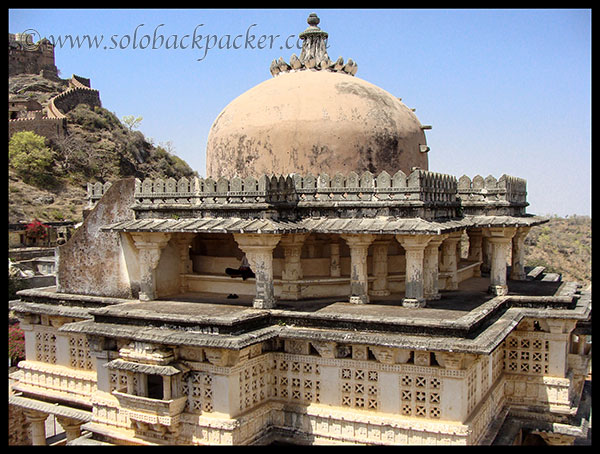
x=505 y=91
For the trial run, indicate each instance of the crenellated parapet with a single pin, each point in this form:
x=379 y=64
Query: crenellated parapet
x=422 y=193
x=420 y=185
x=76 y=94
x=95 y=191
x=506 y=191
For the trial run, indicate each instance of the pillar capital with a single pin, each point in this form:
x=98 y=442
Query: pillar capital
x=437 y=240
x=358 y=239
x=414 y=242
x=454 y=237
x=150 y=240
x=293 y=239
x=256 y=241
x=72 y=427
x=499 y=234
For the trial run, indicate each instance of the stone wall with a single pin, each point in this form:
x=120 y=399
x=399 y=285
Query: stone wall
x=91 y=262
x=69 y=99
x=51 y=128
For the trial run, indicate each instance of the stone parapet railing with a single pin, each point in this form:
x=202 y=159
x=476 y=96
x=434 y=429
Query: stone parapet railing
x=419 y=186
x=76 y=94
x=505 y=189
x=95 y=191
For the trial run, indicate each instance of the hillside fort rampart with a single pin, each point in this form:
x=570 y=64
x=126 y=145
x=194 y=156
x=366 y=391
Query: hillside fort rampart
x=26 y=57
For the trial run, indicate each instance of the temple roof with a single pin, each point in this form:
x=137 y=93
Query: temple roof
x=375 y=225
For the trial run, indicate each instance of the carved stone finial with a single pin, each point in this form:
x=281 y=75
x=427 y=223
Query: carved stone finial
x=314 y=53
x=313 y=45
x=313 y=19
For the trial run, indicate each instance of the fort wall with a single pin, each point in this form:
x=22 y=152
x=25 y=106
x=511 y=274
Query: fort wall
x=51 y=128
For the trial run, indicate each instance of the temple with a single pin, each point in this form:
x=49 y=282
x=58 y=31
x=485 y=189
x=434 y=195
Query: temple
x=389 y=304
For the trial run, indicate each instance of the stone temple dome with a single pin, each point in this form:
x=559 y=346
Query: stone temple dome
x=315 y=117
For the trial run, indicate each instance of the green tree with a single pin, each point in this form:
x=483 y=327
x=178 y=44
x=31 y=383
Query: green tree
x=131 y=121
x=29 y=156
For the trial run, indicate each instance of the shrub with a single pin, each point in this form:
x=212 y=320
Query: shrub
x=31 y=158
x=16 y=343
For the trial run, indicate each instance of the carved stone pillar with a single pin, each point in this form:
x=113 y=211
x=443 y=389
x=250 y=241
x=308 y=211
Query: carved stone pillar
x=292 y=266
x=486 y=255
x=72 y=427
x=449 y=263
x=335 y=270
x=359 y=284
x=150 y=246
x=183 y=241
x=475 y=248
x=414 y=245
x=37 y=425
x=380 y=267
x=517 y=271
x=558 y=345
x=431 y=268
x=500 y=240
x=259 y=252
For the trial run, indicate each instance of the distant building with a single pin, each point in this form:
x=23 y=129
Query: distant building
x=388 y=304
x=27 y=57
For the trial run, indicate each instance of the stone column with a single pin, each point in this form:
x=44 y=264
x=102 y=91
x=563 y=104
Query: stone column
x=259 y=252
x=72 y=427
x=359 y=284
x=183 y=241
x=335 y=270
x=500 y=240
x=475 y=248
x=517 y=271
x=414 y=245
x=292 y=267
x=486 y=255
x=558 y=346
x=380 y=267
x=150 y=246
x=449 y=263
x=431 y=268
x=167 y=395
x=100 y=352
x=37 y=424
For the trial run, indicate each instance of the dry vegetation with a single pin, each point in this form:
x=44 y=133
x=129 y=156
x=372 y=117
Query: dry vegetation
x=98 y=147
x=563 y=245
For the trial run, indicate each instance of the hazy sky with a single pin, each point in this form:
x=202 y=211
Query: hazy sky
x=506 y=91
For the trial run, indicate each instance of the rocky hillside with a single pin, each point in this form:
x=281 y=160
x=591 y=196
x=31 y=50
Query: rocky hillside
x=98 y=147
x=563 y=245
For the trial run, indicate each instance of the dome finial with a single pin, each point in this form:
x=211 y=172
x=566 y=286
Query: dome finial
x=314 y=53
x=313 y=19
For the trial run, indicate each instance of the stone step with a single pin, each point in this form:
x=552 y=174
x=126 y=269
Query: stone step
x=551 y=277
x=536 y=273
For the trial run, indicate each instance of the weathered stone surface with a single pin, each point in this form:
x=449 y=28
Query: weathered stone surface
x=91 y=261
